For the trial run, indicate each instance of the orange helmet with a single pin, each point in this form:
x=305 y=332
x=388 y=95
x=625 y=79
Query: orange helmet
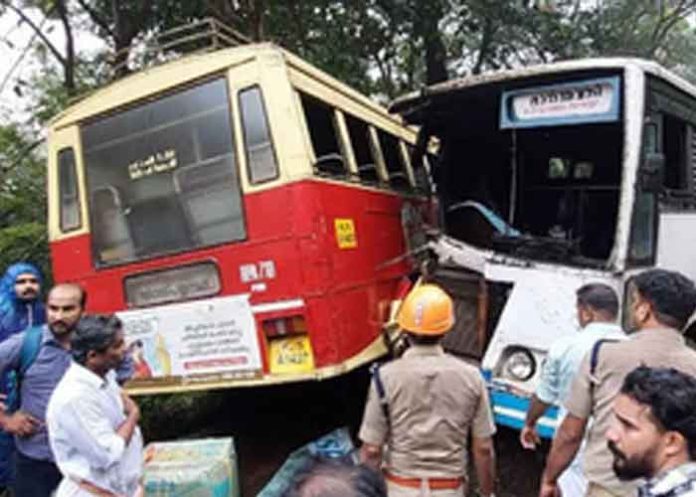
x=426 y=310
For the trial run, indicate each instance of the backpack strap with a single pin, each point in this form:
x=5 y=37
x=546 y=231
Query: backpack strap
x=594 y=359
x=381 y=392
x=31 y=345
x=594 y=354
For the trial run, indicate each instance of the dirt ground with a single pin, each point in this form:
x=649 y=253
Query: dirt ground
x=269 y=424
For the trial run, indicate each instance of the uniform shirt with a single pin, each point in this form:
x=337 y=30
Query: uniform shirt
x=38 y=384
x=594 y=396
x=435 y=400
x=678 y=482
x=565 y=356
x=84 y=414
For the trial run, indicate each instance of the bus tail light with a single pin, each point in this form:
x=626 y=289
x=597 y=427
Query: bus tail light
x=280 y=327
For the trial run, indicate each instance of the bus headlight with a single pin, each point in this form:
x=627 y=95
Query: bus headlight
x=520 y=365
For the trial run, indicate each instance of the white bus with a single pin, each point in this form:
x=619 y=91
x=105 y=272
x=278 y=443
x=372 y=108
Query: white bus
x=550 y=177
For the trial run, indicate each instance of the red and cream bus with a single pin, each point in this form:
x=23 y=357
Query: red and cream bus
x=241 y=210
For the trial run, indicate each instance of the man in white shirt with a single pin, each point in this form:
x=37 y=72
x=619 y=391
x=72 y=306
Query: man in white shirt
x=92 y=424
x=597 y=310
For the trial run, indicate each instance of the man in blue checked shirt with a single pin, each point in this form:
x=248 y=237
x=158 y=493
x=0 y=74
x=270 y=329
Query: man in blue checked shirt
x=597 y=310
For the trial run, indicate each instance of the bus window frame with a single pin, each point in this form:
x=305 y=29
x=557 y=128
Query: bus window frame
x=404 y=163
x=299 y=92
x=633 y=262
x=663 y=99
x=406 y=159
x=237 y=109
x=61 y=191
x=346 y=146
x=357 y=176
x=382 y=171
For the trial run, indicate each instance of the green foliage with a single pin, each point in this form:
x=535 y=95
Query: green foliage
x=22 y=201
x=187 y=409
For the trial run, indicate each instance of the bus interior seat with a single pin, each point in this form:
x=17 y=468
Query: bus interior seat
x=111 y=231
x=207 y=200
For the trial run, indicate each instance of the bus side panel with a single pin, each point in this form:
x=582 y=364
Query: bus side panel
x=364 y=234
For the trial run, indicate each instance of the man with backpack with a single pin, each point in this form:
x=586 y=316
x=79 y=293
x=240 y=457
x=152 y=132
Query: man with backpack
x=20 y=308
x=40 y=357
x=661 y=304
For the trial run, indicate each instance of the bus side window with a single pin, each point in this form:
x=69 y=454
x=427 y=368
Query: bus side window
x=396 y=169
x=675 y=149
x=261 y=160
x=70 y=216
x=642 y=243
x=359 y=134
x=420 y=170
x=323 y=131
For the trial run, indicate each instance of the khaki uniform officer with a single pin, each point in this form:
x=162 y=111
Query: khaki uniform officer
x=662 y=302
x=423 y=407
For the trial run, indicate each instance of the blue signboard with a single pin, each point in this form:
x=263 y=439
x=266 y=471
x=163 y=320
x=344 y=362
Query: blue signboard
x=578 y=102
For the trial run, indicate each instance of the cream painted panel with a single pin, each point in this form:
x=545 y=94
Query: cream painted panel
x=676 y=242
x=57 y=140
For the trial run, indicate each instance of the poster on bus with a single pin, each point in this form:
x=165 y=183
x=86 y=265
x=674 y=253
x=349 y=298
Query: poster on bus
x=205 y=337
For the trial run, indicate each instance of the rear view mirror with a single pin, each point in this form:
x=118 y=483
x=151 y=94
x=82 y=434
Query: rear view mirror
x=651 y=173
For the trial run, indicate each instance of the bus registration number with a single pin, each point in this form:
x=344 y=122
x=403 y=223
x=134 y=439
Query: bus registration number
x=291 y=355
x=345 y=233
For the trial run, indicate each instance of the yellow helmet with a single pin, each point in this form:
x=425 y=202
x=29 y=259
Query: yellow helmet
x=426 y=310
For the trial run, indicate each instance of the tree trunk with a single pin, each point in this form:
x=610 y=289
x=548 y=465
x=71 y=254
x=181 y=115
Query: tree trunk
x=430 y=14
x=69 y=60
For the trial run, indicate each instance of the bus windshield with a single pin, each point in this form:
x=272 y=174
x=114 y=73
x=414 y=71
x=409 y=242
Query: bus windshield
x=544 y=189
x=162 y=176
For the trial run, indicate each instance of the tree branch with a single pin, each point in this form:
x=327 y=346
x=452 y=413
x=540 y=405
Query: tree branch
x=96 y=18
x=56 y=53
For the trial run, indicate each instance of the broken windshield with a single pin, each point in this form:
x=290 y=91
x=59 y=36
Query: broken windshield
x=547 y=188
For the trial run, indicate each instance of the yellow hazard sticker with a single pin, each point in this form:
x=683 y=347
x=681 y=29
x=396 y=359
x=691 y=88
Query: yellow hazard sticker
x=291 y=355
x=345 y=233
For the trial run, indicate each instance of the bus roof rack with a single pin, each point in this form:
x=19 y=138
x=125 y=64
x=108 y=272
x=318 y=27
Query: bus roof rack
x=200 y=36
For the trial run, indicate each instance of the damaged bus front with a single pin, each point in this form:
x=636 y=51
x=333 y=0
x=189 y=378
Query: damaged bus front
x=547 y=179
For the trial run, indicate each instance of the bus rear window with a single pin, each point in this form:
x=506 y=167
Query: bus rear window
x=162 y=176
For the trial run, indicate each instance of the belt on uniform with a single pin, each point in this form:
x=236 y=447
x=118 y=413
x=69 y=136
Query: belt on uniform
x=433 y=483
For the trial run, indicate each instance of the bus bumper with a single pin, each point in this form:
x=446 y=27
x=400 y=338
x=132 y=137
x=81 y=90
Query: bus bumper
x=510 y=409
